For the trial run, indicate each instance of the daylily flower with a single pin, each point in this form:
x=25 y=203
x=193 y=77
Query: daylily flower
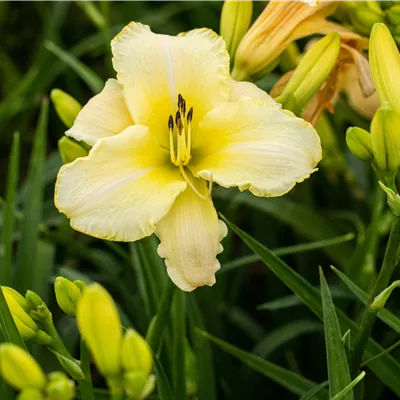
x=172 y=123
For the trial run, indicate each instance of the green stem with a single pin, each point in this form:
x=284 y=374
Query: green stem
x=160 y=322
x=116 y=388
x=85 y=385
x=179 y=335
x=57 y=344
x=392 y=257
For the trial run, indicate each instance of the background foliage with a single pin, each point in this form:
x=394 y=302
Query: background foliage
x=338 y=217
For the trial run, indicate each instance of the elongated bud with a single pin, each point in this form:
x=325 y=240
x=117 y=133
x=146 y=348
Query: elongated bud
x=235 y=21
x=25 y=324
x=38 y=308
x=360 y=143
x=393 y=13
x=380 y=300
x=134 y=383
x=16 y=296
x=384 y=59
x=19 y=369
x=71 y=366
x=313 y=70
x=80 y=285
x=100 y=326
x=31 y=394
x=60 y=387
x=70 y=150
x=66 y=106
x=67 y=295
x=136 y=354
x=363 y=19
x=393 y=199
x=385 y=134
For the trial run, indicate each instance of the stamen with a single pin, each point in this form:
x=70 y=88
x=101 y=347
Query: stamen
x=189 y=182
x=171 y=139
x=190 y=115
x=183 y=107
x=180 y=102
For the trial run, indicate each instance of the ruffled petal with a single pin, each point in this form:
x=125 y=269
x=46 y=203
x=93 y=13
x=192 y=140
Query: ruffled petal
x=122 y=189
x=256 y=147
x=104 y=115
x=155 y=68
x=190 y=236
x=248 y=89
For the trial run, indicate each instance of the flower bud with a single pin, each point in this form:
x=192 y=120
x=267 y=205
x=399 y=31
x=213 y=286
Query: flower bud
x=67 y=295
x=393 y=13
x=66 y=106
x=136 y=354
x=60 y=387
x=393 y=199
x=16 y=296
x=363 y=19
x=385 y=135
x=19 y=369
x=384 y=59
x=80 y=285
x=25 y=324
x=30 y=394
x=38 y=308
x=70 y=150
x=100 y=326
x=137 y=385
x=313 y=70
x=380 y=300
x=360 y=143
x=235 y=21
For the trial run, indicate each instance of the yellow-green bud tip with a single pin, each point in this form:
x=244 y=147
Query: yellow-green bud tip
x=66 y=106
x=16 y=296
x=60 y=387
x=360 y=144
x=67 y=295
x=19 y=369
x=70 y=150
x=136 y=354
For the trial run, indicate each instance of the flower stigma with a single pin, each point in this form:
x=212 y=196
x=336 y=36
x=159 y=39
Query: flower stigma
x=181 y=138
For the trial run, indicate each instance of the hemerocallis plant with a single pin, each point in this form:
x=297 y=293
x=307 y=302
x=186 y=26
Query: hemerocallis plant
x=172 y=123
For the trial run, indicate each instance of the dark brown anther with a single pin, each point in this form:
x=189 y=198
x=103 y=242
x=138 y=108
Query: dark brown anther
x=178 y=117
x=183 y=107
x=180 y=126
x=180 y=101
x=171 y=123
x=190 y=114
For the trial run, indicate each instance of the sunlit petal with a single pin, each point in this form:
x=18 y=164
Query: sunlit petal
x=154 y=69
x=190 y=236
x=248 y=89
x=256 y=147
x=122 y=189
x=104 y=115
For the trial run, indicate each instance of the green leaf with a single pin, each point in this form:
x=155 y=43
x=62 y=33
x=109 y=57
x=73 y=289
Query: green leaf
x=348 y=389
x=384 y=315
x=338 y=368
x=314 y=391
x=7 y=232
x=33 y=204
x=290 y=380
x=163 y=386
x=386 y=368
x=94 y=82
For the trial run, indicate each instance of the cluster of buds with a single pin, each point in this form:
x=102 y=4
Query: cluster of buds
x=22 y=372
x=381 y=147
x=362 y=15
x=125 y=360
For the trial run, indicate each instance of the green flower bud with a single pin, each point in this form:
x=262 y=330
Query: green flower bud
x=136 y=354
x=380 y=300
x=313 y=70
x=363 y=19
x=16 y=296
x=137 y=385
x=384 y=60
x=80 y=285
x=393 y=199
x=70 y=150
x=25 y=324
x=360 y=143
x=71 y=366
x=393 y=13
x=66 y=106
x=67 y=295
x=30 y=394
x=235 y=21
x=385 y=135
x=60 y=387
x=19 y=369
x=38 y=308
x=100 y=326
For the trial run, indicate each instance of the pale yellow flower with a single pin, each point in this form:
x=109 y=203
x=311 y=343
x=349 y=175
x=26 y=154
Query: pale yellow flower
x=172 y=122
